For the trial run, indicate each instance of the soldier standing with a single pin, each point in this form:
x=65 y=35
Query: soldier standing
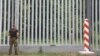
x=13 y=34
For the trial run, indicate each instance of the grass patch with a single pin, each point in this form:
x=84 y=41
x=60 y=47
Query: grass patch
x=46 y=54
x=42 y=54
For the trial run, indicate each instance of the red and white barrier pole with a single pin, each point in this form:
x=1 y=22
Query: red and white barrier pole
x=86 y=40
x=86 y=35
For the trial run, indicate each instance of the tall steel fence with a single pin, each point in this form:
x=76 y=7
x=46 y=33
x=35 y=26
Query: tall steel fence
x=95 y=22
x=49 y=22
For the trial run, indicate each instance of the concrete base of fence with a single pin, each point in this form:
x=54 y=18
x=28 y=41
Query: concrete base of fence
x=86 y=53
x=28 y=49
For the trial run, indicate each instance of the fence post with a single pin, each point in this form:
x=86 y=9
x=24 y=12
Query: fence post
x=13 y=12
x=0 y=19
x=16 y=13
x=89 y=9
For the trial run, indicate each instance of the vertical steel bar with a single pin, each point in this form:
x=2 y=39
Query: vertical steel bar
x=32 y=33
x=54 y=21
x=99 y=24
x=73 y=27
x=81 y=22
x=96 y=24
x=24 y=22
x=51 y=22
x=69 y=21
x=43 y=21
x=17 y=13
x=93 y=24
x=0 y=20
x=62 y=26
x=47 y=35
x=21 y=1
x=77 y=41
x=12 y=11
x=8 y=20
x=36 y=12
x=40 y=22
x=66 y=21
x=28 y=22
x=4 y=31
x=84 y=8
x=59 y=22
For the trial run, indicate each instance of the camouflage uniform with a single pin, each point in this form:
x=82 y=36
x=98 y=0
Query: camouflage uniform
x=13 y=41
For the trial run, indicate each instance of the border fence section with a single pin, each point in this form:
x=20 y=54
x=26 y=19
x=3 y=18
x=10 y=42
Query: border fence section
x=49 y=22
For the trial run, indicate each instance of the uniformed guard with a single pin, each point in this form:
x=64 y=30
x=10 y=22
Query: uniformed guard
x=13 y=34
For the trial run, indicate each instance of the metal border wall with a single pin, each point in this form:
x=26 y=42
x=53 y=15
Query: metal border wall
x=49 y=22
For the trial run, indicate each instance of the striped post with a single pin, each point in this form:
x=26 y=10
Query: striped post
x=86 y=51
x=86 y=34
